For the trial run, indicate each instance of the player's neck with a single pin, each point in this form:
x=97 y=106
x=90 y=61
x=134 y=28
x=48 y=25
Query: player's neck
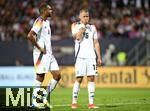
x=43 y=17
x=83 y=23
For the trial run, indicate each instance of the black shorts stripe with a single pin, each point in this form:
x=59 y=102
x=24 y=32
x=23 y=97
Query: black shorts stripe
x=77 y=53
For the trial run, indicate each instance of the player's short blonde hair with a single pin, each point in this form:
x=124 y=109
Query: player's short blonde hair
x=83 y=10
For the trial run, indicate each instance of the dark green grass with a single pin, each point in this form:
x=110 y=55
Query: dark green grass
x=106 y=99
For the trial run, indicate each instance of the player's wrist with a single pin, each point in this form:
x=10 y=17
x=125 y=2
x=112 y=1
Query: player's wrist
x=99 y=57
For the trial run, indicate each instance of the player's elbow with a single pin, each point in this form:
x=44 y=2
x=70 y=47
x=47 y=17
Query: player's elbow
x=30 y=36
x=78 y=37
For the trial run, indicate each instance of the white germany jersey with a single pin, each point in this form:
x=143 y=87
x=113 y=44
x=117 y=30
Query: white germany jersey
x=85 y=47
x=42 y=29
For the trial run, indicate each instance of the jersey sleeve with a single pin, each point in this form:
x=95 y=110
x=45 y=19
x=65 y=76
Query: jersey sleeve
x=95 y=33
x=74 y=29
x=37 y=25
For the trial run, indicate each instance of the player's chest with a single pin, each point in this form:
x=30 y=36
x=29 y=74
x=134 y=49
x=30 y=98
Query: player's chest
x=88 y=34
x=46 y=29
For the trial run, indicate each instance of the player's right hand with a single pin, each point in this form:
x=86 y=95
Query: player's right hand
x=99 y=61
x=82 y=29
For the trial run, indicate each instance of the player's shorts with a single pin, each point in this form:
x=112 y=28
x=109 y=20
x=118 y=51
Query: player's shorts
x=44 y=63
x=86 y=67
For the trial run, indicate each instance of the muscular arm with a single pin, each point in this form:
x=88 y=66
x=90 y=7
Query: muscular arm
x=32 y=37
x=98 y=51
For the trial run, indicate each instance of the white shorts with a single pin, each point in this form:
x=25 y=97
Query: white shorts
x=85 y=66
x=44 y=63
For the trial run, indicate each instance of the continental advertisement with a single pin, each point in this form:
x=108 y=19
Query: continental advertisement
x=109 y=77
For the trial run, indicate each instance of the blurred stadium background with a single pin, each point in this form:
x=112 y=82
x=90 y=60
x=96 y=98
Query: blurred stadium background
x=124 y=34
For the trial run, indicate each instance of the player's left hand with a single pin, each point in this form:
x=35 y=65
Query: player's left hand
x=99 y=61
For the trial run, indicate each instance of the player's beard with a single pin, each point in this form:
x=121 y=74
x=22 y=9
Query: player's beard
x=86 y=22
x=49 y=14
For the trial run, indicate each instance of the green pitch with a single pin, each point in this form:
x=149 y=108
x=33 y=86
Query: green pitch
x=106 y=99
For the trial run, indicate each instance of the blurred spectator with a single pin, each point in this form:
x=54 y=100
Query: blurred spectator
x=18 y=62
x=121 y=58
x=109 y=58
x=134 y=33
x=119 y=18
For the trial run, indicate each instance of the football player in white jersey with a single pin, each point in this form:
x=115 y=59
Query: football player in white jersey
x=44 y=61
x=86 y=44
